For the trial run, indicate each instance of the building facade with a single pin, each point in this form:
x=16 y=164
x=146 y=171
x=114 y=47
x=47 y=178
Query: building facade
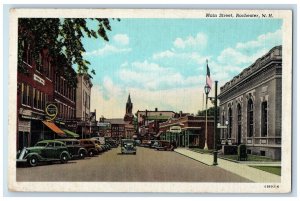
x=188 y=131
x=64 y=95
x=83 y=102
x=251 y=103
x=35 y=89
x=148 y=122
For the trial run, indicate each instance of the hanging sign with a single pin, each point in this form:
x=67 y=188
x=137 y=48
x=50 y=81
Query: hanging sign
x=51 y=111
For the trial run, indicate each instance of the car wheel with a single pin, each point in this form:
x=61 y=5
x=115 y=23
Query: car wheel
x=91 y=153
x=81 y=155
x=63 y=158
x=33 y=161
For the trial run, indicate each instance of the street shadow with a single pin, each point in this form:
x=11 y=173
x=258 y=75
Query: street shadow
x=25 y=165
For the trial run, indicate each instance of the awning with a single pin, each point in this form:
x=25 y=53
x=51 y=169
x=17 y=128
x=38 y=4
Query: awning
x=54 y=128
x=70 y=133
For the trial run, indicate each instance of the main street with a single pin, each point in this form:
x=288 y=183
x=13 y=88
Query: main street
x=147 y=165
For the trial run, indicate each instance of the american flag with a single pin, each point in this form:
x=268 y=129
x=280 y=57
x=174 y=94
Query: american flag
x=208 y=78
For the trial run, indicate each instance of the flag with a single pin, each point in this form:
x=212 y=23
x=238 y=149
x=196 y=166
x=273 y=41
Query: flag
x=208 y=78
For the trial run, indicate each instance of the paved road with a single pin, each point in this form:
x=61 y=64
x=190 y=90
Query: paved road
x=148 y=165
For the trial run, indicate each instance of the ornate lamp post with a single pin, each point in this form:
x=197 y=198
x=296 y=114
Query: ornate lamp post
x=206 y=90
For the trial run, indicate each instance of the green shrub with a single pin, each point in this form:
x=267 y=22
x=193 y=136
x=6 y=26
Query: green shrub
x=242 y=152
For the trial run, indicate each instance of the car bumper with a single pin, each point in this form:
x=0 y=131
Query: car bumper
x=21 y=160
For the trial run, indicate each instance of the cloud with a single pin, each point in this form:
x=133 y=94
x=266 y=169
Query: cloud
x=268 y=39
x=152 y=76
x=163 y=55
x=107 y=50
x=243 y=54
x=197 y=42
x=121 y=39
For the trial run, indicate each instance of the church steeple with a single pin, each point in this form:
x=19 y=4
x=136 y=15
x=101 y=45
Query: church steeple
x=128 y=115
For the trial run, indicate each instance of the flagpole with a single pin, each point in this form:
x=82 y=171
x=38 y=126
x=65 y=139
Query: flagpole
x=205 y=146
x=207 y=89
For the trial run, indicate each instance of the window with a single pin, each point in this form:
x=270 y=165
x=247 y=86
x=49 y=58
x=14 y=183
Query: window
x=23 y=96
x=230 y=122
x=34 y=98
x=264 y=119
x=40 y=63
x=239 y=123
x=223 y=123
x=250 y=118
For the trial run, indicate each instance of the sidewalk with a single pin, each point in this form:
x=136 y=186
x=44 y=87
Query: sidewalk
x=241 y=169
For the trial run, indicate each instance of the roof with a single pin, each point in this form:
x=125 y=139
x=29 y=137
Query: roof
x=115 y=121
x=156 y=117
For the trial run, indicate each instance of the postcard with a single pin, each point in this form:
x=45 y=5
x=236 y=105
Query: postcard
x=150 y=100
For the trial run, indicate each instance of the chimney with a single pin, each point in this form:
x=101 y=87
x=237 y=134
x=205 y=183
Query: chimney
x=156 y=109
x=180 y=113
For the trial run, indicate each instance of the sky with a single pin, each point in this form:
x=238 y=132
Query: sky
x=162 y=62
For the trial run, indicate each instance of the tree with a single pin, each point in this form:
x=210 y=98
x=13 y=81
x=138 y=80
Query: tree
x=62 y=37
x=210 y=112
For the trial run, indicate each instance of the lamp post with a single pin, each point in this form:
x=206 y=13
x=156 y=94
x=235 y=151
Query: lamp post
x=226 y=124
x=215 y=124
x=206 y=90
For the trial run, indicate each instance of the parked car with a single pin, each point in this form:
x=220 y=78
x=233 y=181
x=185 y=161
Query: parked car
x=98 y=145
x=165 y=145
x=128 y=146
x=90 y=146
x=146 y=143
x=113 y=143
x=44 y=151
x=138 y=142
x=74 y=148
x=155 y=144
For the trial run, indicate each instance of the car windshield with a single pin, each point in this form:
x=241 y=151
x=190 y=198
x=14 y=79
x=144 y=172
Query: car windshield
x=41 y=144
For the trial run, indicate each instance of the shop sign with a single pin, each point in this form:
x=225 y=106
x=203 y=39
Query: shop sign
x=175 y=129
x=38 y=79
x=24 y=126
x=71 y=124
x=51 y=111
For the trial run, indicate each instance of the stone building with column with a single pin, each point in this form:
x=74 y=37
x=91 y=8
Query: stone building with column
x=251 y=103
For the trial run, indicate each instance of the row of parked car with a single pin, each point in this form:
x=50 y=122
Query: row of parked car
x=62 y=150
x=162 y=145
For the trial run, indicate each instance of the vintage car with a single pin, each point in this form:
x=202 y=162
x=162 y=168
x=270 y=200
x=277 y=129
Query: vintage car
x=44 y=151
x=165 y=145
x=74 y=148
x=90 y=146
x=128 y=146
x=98 y=145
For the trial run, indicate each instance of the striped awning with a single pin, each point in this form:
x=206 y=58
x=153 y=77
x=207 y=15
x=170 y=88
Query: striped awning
x=70 y=133
x=54 y=128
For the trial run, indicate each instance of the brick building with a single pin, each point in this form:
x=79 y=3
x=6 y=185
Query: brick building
x=64 y=96
x=151 y=118
x=188 y=131
x=35 y=90
x=251 y=103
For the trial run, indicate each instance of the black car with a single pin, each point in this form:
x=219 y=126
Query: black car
x=74 y=148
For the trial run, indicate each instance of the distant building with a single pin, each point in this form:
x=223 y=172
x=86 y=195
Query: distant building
x=145 y=118
x=188 y=131
x=128 y=113
x=83 y=103
x=117 y=128
x=251 y=103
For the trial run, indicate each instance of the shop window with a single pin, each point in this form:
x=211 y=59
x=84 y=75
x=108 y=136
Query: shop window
x=250 y=118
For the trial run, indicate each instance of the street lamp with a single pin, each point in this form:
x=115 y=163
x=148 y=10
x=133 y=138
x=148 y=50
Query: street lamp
x=206 y=90
x=226 y=141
